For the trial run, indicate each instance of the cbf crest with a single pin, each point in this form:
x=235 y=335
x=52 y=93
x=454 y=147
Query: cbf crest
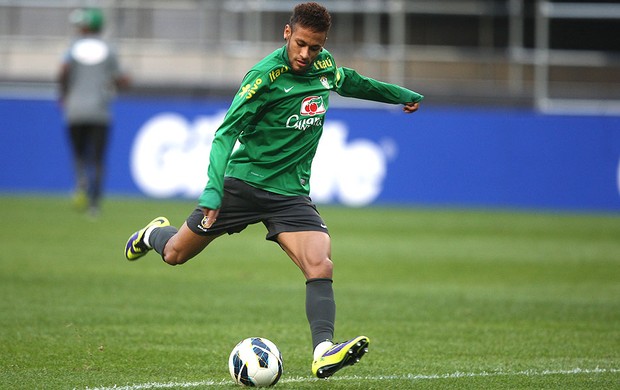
x=324 y=81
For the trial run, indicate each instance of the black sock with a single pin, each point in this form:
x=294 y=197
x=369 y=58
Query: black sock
x=320 y=309
x=160 y=236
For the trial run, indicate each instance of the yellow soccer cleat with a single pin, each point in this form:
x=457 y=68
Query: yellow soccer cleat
x=135 y=247
x=340 y=355
x=80 y=200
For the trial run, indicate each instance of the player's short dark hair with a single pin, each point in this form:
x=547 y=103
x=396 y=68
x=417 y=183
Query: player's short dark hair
x=311 y=15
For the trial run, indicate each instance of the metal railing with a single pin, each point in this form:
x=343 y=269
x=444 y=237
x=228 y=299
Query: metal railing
x=209 y=44
x=546 y=58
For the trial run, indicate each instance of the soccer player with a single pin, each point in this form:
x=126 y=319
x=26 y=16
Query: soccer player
x=278 y=116
x=88 y=74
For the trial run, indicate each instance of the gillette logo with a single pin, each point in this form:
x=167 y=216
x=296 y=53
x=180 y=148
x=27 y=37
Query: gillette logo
x=170 y=157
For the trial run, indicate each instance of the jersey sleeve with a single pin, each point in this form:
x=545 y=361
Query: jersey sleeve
x=243 y=109
x=349 y=83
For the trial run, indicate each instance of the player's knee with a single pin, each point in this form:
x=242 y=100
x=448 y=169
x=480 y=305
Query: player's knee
x=174 y=257
x=324 y=268
x=328 y=267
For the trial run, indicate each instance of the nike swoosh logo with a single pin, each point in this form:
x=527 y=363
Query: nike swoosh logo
x=287 y=90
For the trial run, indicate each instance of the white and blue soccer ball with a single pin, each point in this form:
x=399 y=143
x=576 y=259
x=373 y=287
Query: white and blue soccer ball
x=255 y=362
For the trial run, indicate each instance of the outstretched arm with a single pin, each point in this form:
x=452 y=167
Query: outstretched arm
x=349 y=83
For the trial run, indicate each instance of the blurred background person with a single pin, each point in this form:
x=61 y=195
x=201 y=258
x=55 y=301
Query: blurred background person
x=89 y=74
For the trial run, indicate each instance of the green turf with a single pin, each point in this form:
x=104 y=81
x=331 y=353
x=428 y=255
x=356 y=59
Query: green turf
x=450 y=299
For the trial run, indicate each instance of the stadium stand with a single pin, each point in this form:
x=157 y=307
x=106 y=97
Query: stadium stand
x=547 y=54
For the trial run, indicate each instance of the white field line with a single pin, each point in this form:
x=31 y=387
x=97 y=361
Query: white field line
x=407 y=377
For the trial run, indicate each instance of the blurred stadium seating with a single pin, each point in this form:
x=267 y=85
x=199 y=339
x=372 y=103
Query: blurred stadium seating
x=548 y=54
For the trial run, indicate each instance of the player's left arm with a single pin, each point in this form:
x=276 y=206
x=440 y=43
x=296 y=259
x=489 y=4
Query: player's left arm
x=349 y=83
x=411 y=107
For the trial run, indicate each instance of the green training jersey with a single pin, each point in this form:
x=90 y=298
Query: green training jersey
x=277 y=116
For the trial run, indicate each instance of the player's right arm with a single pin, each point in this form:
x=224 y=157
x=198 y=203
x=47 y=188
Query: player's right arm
x=242 y=112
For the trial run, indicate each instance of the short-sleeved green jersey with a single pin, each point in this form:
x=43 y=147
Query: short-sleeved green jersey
x=277 y=116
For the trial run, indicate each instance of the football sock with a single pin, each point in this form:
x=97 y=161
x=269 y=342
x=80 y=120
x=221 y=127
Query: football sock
x=320 y=309
x=157 y=238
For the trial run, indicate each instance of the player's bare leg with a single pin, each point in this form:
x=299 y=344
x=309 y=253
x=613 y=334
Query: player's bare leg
x=176 y=246
x=311 y=251
x=183 y=245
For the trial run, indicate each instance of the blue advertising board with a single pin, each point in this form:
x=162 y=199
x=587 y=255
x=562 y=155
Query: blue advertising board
x=456 y=157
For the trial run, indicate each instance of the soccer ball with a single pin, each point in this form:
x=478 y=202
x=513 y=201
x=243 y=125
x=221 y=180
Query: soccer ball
x=255 y=362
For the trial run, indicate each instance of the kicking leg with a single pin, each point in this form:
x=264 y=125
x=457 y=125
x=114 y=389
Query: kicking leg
x=174 y=246
x=178 y=247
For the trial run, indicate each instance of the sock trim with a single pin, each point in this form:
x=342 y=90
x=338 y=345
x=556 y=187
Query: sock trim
x=319 y=280
x=147 y=235
x=324 y=345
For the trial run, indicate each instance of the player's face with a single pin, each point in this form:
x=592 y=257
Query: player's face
x=303 y=46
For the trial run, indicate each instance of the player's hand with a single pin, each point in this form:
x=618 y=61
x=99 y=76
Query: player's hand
x=210 y=216
x=411 y=107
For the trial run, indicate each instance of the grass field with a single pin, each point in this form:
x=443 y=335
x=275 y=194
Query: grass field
x=450 y=299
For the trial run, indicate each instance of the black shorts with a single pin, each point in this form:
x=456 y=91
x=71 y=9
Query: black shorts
x=243 y=205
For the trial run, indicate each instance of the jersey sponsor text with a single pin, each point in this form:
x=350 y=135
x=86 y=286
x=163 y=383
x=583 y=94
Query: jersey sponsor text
x=250 y=91
x=274 y=74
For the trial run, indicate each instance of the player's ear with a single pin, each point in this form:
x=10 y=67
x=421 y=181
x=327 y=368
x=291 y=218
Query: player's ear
x=287 y=32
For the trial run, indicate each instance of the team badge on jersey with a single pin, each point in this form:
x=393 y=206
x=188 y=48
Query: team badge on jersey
x=324 y=82
x=312 y=105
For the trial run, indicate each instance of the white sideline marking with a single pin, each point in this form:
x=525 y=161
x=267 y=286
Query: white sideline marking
x=408 y=377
